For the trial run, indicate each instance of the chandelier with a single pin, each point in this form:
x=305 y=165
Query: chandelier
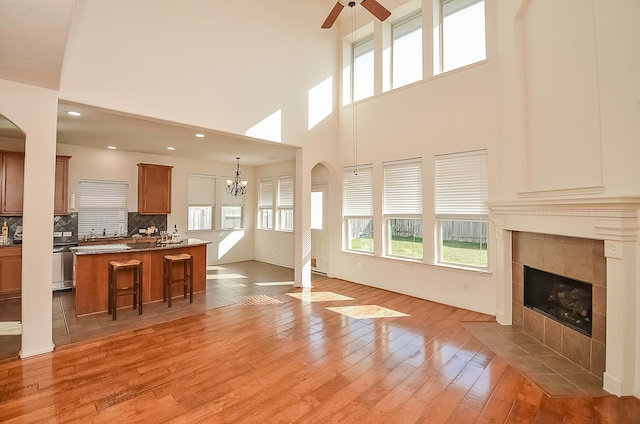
x=237 y=187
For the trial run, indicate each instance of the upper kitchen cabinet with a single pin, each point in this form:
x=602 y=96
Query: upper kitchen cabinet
x=61 y=199
x=12 y=183
x=154 y=189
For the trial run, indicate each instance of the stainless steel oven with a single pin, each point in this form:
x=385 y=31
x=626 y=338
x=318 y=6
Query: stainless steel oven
x=62 y=270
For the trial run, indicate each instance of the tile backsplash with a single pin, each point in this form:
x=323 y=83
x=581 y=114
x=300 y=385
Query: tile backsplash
x=66 y=224
x=135 y=221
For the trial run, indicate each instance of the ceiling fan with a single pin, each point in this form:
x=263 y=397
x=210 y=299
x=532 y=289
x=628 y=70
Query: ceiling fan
x=375 y=8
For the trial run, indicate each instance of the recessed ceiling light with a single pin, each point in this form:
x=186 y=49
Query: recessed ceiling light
x=199 y=135
x=171 y=148
x=111 y=147
x=74 y=113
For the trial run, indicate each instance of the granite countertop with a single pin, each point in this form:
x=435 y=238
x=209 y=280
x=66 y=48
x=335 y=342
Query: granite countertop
x=135 y=247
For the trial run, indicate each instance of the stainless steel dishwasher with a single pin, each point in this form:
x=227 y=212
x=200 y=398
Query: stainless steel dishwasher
x=62 y=269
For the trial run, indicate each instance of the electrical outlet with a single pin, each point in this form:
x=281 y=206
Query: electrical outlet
x=359 y=265
x=57 y=234
x=67 y=234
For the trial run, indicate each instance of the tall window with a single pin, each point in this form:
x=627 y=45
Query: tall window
x=407 y=50
x=363 y=68
x=102 y=207
x=459 y=37
x=202 y=194
x=265 y=203
x=403 y=208
x=232 y=209
x=285 y=203
x=358 y=208
x=461 y=188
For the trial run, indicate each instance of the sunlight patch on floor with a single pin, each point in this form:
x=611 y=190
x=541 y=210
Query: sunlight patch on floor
x=224 y=276
x=367 y=311
x=215 y=268
x=308 y=296
x=275 y=283
x=260 y=299
x=231 y=284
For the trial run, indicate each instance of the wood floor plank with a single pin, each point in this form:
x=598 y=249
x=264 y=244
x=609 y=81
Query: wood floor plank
x=270 y=357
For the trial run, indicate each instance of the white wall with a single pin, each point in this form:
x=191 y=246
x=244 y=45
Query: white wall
x=226 y=246
x=272 y=246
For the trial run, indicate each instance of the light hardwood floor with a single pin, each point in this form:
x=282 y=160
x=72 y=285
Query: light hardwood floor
x=340 y=352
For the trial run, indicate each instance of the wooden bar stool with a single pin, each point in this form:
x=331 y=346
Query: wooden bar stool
x=186 y=280
x=116 y=291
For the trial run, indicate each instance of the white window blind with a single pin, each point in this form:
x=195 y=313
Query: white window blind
x=228 y=198
x=285 y=192
x=358 y=191
x=102 y=207
x=202 y=190
x=462 y=185
x=403 y=187
x=265 y=196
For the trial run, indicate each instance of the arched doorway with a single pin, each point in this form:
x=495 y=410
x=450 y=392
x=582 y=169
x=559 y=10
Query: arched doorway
x=319 y=219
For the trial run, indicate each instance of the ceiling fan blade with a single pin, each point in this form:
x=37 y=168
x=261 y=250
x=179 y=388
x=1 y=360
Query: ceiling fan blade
x=376 y=9
x=333 y=15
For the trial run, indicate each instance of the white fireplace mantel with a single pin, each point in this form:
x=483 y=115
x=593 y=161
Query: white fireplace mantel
x=612 y=219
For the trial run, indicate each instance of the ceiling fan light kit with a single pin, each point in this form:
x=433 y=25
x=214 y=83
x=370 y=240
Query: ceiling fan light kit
x=375 y=8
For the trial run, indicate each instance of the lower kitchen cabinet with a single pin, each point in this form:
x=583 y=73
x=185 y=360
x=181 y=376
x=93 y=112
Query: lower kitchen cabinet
x=10 y=272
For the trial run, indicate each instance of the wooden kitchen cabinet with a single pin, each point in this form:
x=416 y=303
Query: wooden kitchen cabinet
x=10 y=272
x=154 y=189
x=61 y=199
x=12 y=183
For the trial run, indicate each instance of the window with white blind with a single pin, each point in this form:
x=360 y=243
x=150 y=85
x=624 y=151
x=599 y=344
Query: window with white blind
x=232 y=210
x=357 y=208
x=459 y=38
x=406 y=50
x=102 y=207
x=202 y=195
x=403 y=208
x=265 y=203
x=285 y=203
x=461 y=193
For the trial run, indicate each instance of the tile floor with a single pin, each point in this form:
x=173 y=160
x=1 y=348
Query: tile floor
x=252 y=282
x=555 y=374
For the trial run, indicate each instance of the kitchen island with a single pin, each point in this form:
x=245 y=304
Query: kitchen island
x=91 y=270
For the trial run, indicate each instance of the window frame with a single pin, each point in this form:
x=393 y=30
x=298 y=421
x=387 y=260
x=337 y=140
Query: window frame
x=365 y=40
x=200 y=200
x=473 y=187
x=439 y=39
x=284 y=203
x=357 y=203
x=265 y=203
x=408 y=19
x=402 y=200
x=223 y=208
x=86 y=207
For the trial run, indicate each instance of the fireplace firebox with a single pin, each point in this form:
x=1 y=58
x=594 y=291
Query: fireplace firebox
x=560 y=298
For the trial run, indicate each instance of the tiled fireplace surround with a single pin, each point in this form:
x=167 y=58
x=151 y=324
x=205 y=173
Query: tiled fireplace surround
x=590 y=239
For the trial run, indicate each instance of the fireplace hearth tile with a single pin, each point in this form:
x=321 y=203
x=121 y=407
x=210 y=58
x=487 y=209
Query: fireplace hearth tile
x=578 y=261
x=532 y=252
x=534 y=324
x=599 y=300
x=562 y=365
x=553 y=334
x=555 y=384
x=517 y=273
x=588 y=382
x=520 y=338
x=599 y=264
x=529 y=364
x=598 y=353
x=576 y=347
x=518 y=293
x=538 y=349
x=599 y=328
x=517 y=315
x=552 y=253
